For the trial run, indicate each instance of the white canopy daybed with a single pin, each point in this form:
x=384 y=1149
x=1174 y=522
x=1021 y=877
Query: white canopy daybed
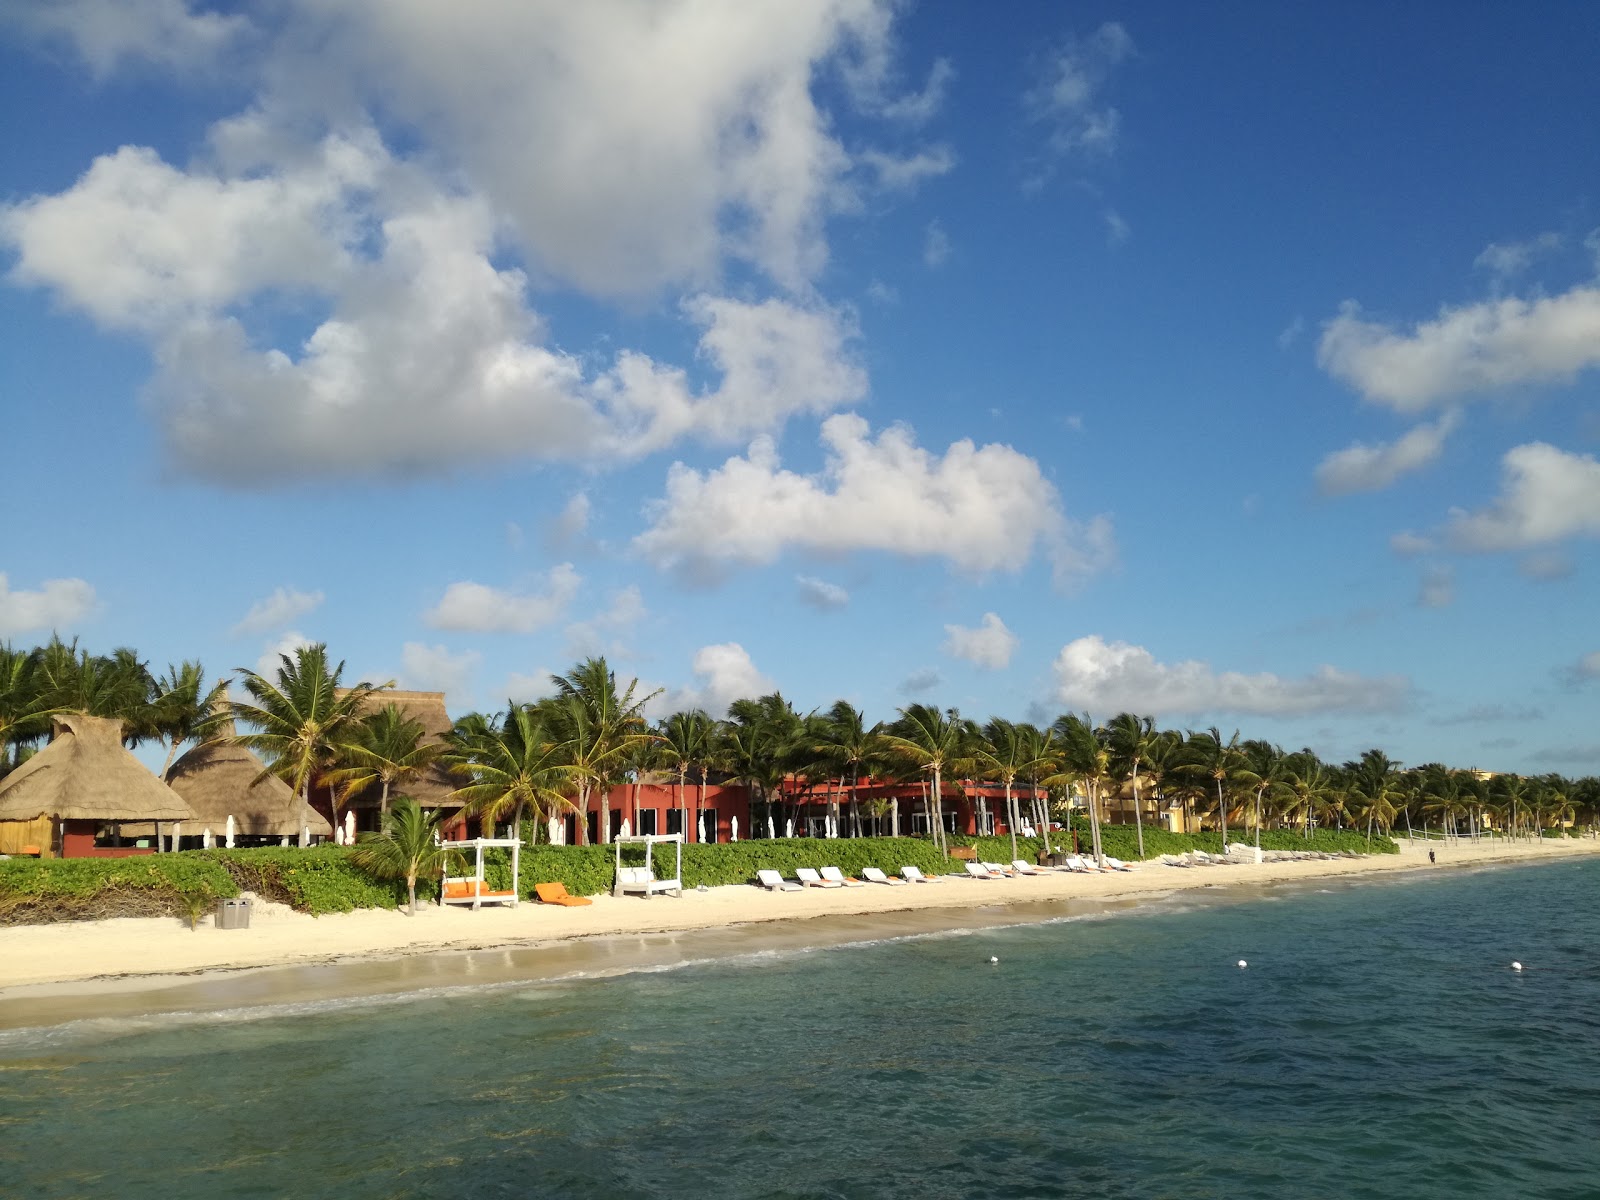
x=643 y=879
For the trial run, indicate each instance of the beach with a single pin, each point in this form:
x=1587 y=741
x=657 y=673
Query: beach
x=156 y=961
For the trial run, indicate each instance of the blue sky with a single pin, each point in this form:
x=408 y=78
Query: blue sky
x=1235 y=365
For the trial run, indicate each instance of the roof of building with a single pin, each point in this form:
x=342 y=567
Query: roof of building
x=221 y=781
x=86 y=773
x=434 y=787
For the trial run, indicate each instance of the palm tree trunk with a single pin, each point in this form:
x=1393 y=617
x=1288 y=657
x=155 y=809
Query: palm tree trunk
x=1011 y=819
x=1222 y=813
x=383 y=803
x=1138 y=814
x=411 y=892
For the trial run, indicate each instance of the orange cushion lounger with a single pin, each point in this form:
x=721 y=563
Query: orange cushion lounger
x=556 y=893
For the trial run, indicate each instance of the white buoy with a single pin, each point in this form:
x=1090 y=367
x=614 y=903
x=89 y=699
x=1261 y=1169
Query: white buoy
x=1243 y=964
x=993 y=959
x=1516 y=966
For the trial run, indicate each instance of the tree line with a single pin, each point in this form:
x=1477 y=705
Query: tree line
x=557 y=755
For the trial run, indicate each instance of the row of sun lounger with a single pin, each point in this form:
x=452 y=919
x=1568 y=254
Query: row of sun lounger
x=832 y=877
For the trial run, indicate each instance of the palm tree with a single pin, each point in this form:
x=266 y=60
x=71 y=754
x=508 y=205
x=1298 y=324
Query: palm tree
x=407 y=847
x=1376 y=784
x=185 y=710
x=385 y=747
x=755 y=745
x=1131 y=741
x=849 y=747
x=118 y=686
x=1267 y=773
x=25 y=707
x=1037 y=752
x=1085 y=757
x=934 y=742
x=1310 y=784
x=1006 y=752
x=303 y=723
x=686 y=745
x=1208 y=756
x=601 y=726
x=517 y=766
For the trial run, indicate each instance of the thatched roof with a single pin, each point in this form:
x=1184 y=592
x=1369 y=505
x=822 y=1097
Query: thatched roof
x=219 y=781
x=432 y=788
x=85 y=773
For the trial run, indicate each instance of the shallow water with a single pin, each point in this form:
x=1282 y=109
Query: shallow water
x=1377 y=1045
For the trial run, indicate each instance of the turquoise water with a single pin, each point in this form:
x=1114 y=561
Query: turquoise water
x=1377 y=1045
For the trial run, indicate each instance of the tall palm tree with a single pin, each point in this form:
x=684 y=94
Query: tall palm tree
x=687 y=745
x=1376 y=784
x=518 y=766
x=118 y=685
x=934 y=742
x=25 y=704
x=1006 y=753
x=1207 y=756
x=1085 y=757
x=388 y=748
x=1267 y=772
x=1038 y=753
x=1131 y=741
x=602 y=725
x=849 y=748
x=183 y=709
x=407 y=847
x=1310 y=784
x=302 y=721
x=756 y=745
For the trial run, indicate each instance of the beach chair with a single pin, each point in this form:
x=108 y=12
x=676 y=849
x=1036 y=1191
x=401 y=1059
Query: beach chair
x=978 y=871
x=809 y=878
x=774 y=882
x=1117 y=864
x=874 y=875
x=834 y=875
x=556 y=893
x=1076 y=862
x=999 y=869
x=915 y=875
x=1023 y=867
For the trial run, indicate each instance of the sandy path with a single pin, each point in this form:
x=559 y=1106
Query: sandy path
x=133 y=953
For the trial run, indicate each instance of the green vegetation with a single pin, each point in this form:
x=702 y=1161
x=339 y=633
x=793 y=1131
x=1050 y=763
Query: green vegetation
x=34 y=891
x=407 y=848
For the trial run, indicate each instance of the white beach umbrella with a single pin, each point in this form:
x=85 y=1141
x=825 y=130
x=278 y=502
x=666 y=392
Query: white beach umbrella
x=177 y=826
x=349 y=826
x=788 y=828
x=554 y=826
x=770 y=833
x=227 y=837
x=626 y=831
x=305 y=836
x=205 y=838
x=733 y=827
x=700 y=829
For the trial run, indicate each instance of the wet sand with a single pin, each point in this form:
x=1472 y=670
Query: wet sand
x=51 y=974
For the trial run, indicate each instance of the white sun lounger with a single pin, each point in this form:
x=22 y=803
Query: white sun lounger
x=874 y=875
x=915 y=875
x=1118 y=865
x=1023 y=867
x=809 y=877
x=834 y=875
x=774 y=882
x=999 y=869
x=978 y=871
x=1076 y=862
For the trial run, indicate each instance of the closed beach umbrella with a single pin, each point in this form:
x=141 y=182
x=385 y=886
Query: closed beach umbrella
x=700 y=827
x=227 y=837
x=788 y=828
x=733 y=827
x=177 y=826
x=205 y=838
x=770 y=833
x=349 y=827
x=305 y=836
x=554 y=827
x=626 y=830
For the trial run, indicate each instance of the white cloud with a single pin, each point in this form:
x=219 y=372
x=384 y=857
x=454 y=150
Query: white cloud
x=1069 y=96
x=525 y=689
x=435 y=669
x=1546 y=495
x=1102 y=677
x=271 y=660
x=935 y=245
x=598 y=635
x=917 y=108
x=982 y=508
x=477 y=608
x=58 y=604
x=723 y=673
x=1408 y=545
x=819 y=593
x=1483 y=347
x=989 y=646
x=1290 y=333
x=1504 y=259
x=284 y=606
x=904 y=172
x=921 y=681
x=1546 y=566
x=572 y=522
x=1117 y=228
x=1364 y=468
x=107 y=34
x=1438 y=588
x=1586 y=668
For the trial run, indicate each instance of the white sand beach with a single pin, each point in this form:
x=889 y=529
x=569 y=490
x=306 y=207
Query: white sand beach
x=41 y=964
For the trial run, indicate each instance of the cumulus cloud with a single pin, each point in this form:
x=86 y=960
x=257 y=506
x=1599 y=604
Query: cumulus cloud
x=477 y=608
x=1437 y=589
x=921 y=681
x=1371 y=468
x=1097 y=676
x=283 y=607
x=56 y=604
x=701 y=147
x=917 y=108
x=272 y=656
x=819 y=593
x=723 y=673
x=435 y=669
x=982 y=508
x=990 y=645
x=1546 y=495
x=1069 y=97
x=1478 y=348
x=107 y=34
x=1504 y=259
x=935 y=245
x=1545 y=567
x=598 y=635
x=1585 y=669
x=571 y=523
x=526 y=688
x=1408 y=545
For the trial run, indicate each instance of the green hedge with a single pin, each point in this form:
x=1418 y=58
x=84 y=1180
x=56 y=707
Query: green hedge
x=316 y=881
x=39 y=891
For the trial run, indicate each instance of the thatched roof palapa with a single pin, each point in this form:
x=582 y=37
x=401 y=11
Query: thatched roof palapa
x=433 y=788
x=86 y=774
x=221 y=781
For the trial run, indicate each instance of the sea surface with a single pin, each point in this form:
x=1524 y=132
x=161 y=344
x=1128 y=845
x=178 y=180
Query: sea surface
x=1377 y=1044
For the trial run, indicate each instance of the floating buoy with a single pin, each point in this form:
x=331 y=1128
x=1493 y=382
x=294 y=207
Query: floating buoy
x=1516 y=966
x=1243 y=964
x=993 y=959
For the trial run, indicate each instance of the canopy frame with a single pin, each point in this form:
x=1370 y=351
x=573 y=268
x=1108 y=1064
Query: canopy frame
x=643 y=879
x=469 y=889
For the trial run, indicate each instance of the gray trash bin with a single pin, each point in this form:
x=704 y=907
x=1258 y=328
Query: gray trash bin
x=233 y=914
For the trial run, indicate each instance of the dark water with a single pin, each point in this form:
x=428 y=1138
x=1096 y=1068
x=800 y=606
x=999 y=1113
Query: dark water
x=1377 y=1045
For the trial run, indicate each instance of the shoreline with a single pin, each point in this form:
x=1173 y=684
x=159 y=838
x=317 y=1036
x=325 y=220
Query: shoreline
x=134 y=966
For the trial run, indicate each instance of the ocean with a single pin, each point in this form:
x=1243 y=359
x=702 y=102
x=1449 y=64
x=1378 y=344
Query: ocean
x=1377 y=1044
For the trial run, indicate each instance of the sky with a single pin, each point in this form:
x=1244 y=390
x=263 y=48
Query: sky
x=1231 y=364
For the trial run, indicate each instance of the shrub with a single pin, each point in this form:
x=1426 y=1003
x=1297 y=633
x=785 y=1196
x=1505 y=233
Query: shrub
x=316 y=881
x=40 y=891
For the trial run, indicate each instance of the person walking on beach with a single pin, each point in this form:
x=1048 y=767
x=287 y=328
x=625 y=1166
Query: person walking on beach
x=1431 y=857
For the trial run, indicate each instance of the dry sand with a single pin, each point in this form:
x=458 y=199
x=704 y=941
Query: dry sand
x=50 y=973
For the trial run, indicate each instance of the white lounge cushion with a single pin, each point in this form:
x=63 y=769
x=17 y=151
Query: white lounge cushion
x=809 y=877
x=874 y=875
x=979 y=871
x=915 y=875
x=774 y=882
x=834 y=875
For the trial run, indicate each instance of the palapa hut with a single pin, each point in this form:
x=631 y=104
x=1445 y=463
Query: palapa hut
x=76 y=793
x=434 y=787
x=220 y=781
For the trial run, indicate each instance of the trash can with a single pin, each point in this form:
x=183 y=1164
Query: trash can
x=233 y=914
